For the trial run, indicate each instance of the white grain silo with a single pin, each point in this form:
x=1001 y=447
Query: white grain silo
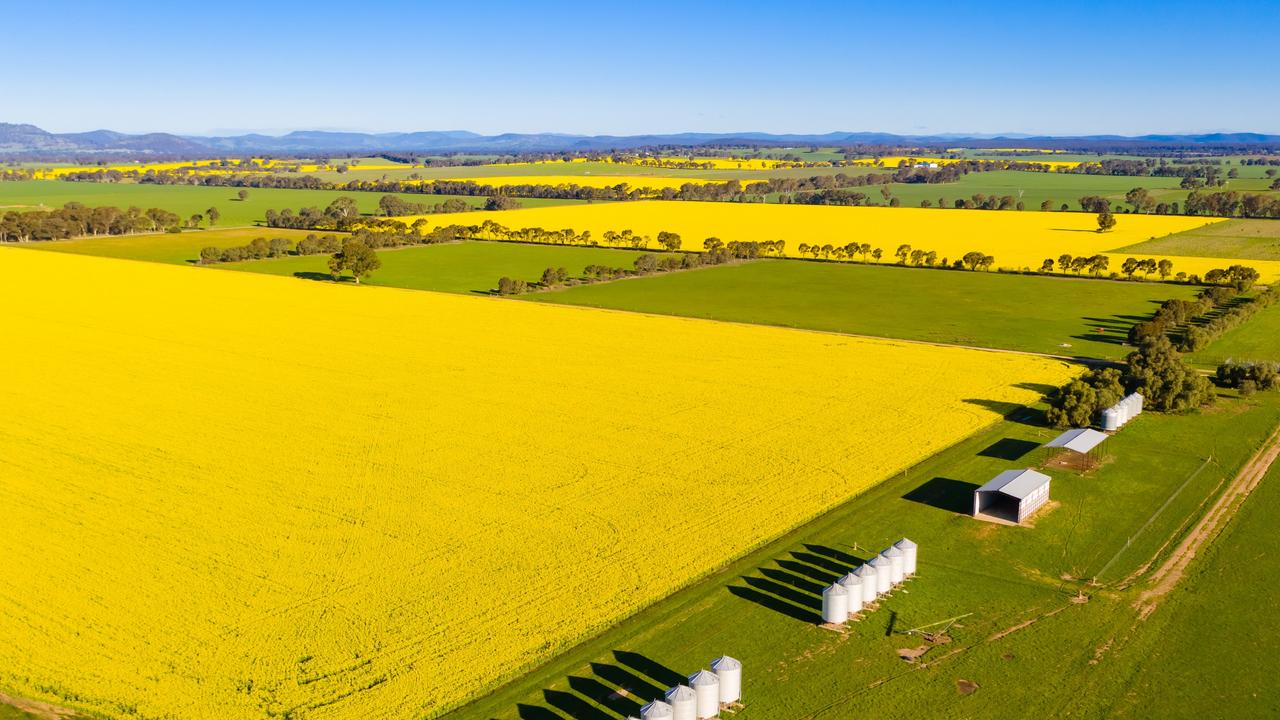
x=1110 y=420
x=706 y=689
x=870 y=583
x=897 y=564
x=730 y=673
x=656 y=710
x=910 y=551
x=1122 y=413
x=684 y=703
x=853 y=584
x=835 y=604
x=1139 y=399
x=884 y=573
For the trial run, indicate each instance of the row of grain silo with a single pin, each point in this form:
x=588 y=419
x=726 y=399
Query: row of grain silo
x=1115 y=417
x=873 y=579
x=706 y=694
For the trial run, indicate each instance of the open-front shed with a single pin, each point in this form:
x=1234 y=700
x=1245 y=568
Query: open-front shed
x=1012 y=495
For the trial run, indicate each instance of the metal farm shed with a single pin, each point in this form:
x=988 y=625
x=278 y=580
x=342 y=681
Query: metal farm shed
x=1012 y=495
x=1075 y=448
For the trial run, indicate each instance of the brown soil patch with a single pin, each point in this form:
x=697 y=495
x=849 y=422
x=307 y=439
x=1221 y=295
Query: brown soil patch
x=42 y=710
x=966 y=687
x=1167 y=576
x=913 y=654
x=1102 y=650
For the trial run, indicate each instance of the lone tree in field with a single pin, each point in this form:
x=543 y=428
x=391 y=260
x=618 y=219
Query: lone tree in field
x=1106 y=221
x=354 y=257
x=213 y=215
x=243 y=195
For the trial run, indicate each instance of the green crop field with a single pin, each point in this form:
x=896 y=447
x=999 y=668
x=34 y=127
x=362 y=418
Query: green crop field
x=1035 y=187
x=1012 y=589
x=454 y=267
x=1256 y=340
x=1242 y=239
x=174 y=248
x=186 y=200
x=1062 y=316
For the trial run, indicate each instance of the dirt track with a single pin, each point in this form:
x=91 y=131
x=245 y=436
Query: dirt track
x=1167 y=576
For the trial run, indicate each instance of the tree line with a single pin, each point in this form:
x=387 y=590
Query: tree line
x=314 y=244
x=1156 y=368
x=76 y=219
x=1192 y=324
x=645 y=264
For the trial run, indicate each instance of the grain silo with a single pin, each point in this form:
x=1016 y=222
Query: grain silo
x=656 y=710
x=1138 y=399
x=730 y=673
x=910 y=551
x=684 y=703
x=853 y=584
x=897 y=564
x=706 y=690
x=835 y=604
x=869 y=583
x=884 y=573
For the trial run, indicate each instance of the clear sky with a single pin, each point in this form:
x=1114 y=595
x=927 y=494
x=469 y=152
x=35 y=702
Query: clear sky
x=607 y=67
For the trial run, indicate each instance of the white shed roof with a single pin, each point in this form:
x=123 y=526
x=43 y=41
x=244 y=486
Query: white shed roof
x=1081 y=440
x=1016 y=483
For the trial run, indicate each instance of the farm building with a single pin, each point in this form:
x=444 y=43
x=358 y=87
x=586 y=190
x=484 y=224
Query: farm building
x=1012 y=495
x=1075 y=448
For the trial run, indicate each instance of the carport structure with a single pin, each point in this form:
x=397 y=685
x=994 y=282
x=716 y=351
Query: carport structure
x=1076 y=449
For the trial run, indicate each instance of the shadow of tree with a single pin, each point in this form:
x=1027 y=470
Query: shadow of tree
x=325 y=277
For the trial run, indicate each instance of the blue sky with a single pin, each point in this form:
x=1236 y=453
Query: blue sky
x=630 y=68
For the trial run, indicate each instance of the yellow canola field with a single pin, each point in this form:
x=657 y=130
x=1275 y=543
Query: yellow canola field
x=710 y=163
x=260 y=497
x=1017 y=239
x=895 y=161
x=593 y=181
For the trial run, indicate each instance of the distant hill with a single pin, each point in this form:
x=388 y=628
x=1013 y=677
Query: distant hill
x=16 y=140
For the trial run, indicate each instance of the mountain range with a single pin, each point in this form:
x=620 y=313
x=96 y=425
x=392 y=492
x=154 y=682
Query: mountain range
x=18 y=139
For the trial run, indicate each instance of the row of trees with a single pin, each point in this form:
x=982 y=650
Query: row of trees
x=646 y=264
x=314 y=244
x=76 y=219
x=1157 y=370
